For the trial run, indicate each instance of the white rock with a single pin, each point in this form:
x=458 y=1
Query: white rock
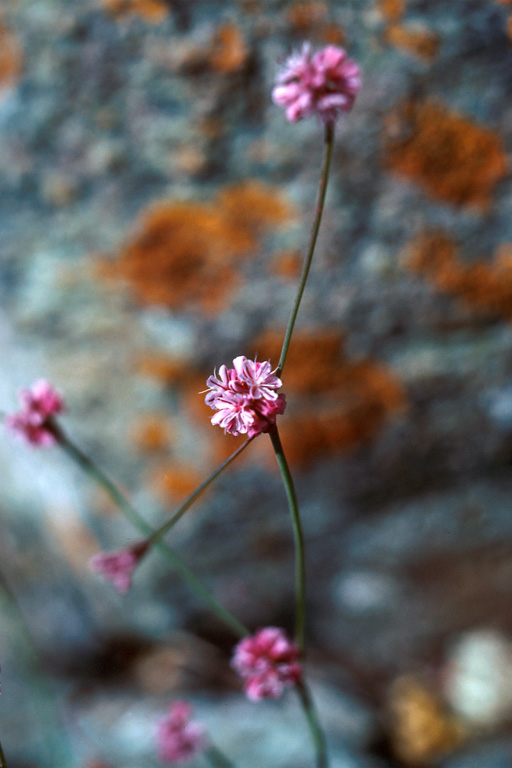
x=479 y=679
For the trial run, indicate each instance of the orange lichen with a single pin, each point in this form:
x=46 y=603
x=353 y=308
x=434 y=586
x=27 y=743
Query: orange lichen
x=332 y=34
x=313 y=359
x=175 y=482
x=251 y=6
x=391 y=10
x=303 y=15
x=167 y=369
x=287 y=264
x=11 y=59
x=252 y=206
x=449 y=155
x=153 y=11
x=229 y=51
x=335 y=404
x=421 y=43
x=187 y=253
x=484 y=286
x=180 y=256
x=151 y=433
x=309 y=19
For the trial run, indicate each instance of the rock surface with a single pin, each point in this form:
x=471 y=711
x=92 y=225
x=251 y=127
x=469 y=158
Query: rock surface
x=154 y=207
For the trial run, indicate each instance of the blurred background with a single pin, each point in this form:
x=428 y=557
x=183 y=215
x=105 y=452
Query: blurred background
x=154 y=207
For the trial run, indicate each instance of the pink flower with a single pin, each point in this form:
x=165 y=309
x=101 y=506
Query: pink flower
x=245 y=397
x=324 y=84
x=268 y=663
x=118 y=567
x=179 y=738
x=33 y=422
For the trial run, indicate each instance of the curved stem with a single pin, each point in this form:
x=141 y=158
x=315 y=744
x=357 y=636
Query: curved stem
x=159 y=532
x=317 y=735
x=136 y=519
x=322 y=188
x=300 y=567
x=42 y=698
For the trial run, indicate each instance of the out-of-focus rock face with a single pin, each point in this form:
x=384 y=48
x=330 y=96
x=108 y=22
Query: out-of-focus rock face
x=154 y=208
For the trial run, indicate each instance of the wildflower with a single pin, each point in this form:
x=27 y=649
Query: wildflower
x=38 y=406
x=179 y=738
x=268 y=663
x=118 y=567
x=245 y=397
x=324 y=84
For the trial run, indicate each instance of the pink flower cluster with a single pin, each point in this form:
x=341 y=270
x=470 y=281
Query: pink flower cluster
x=245 y=397
x=268 y=663
x=179 y=738
x=39 y=404
x=118 y=567
x=324 y=84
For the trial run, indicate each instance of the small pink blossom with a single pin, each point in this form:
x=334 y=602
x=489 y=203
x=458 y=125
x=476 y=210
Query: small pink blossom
x=117 y=567
x=324 y=84
x=268 y=663
x=179 y=738
x=245 y=397
x=33 y=421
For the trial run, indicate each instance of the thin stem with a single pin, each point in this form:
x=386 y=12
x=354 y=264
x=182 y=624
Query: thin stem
x=58 y=749
x=320 y=199
x=317 y=735
x=159 y=532
x=217 y=758
x=300 y=598
x=300 y=567
x=136 y=519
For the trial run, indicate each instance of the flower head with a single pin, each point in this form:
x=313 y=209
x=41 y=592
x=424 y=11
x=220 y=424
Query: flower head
x=179 y=738
x=38 y=405
x=245 y=397
x=117 y=567
x=268 y=663
x=324 y=84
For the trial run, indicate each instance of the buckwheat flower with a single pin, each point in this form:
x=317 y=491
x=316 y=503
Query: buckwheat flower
x=33 y=421
x=268 y=663
x=179 y=738
x=324 y=84
x=117 y=567
x=245 y=397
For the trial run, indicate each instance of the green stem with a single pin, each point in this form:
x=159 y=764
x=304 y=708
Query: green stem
x=300 y=567
x=58 y=749
x=320 y=200
x=317 y=735
x=136 y=519
x=159 y=532
x=217 y=758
